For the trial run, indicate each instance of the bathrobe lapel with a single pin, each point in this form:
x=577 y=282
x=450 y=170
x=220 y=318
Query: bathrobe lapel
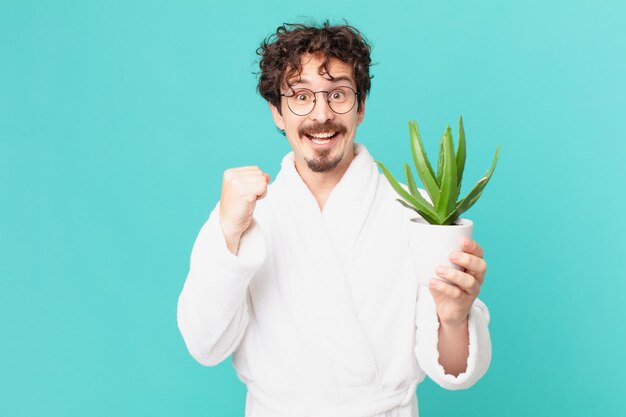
x=349 y=204
x=319 y=246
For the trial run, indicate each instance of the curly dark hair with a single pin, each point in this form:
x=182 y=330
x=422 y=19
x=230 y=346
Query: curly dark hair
x=281 y=53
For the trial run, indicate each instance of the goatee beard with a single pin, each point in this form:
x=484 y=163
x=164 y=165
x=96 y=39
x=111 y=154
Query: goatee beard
x=322 y=163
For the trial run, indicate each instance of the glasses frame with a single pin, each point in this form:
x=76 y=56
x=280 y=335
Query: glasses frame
x=356 y=94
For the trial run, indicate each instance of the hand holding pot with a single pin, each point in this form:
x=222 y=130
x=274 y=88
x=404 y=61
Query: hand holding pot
x=453 y=301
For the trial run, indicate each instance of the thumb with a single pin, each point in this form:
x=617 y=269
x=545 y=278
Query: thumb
x=267 y=179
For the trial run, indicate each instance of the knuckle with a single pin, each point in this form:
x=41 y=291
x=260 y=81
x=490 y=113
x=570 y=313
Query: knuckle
x=451 y=274
x=469 y=281
x=248 y=197
x=464 y=280
x=446 y=288
x=475 y=263
x=470 y=264
x=477 y=267
x=235 y=182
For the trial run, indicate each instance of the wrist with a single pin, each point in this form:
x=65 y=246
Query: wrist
x=232 y=237
x=230 y=231
x=455 y=324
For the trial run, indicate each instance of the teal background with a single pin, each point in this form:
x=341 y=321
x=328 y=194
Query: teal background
x=118 y=118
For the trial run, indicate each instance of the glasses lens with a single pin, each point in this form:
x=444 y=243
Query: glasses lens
x=301 y=102
x=341 y=100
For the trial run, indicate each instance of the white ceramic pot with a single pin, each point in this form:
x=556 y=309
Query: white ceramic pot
x=430 y=245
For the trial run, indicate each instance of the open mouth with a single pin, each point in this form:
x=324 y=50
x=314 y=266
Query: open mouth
x=322 y=138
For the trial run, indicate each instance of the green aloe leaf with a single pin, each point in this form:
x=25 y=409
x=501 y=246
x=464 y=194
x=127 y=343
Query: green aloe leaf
x=419 y=203
x=426 y=217
x=473 y=196
x=466 y=202
x=440 y=162
x=422 y=164
x=460 y=157
x=447 y=201
x=407 y=205
x=410 y=181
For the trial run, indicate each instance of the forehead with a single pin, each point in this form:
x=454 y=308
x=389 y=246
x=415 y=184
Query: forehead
x=313 y=71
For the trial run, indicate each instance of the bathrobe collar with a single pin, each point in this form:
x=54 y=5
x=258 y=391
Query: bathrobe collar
x=348 y=204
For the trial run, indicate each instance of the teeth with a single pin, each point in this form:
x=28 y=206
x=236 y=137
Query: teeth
x=323 y=135
x=320 y=141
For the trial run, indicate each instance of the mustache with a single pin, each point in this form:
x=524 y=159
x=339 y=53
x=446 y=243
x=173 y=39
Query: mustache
x=321 y=128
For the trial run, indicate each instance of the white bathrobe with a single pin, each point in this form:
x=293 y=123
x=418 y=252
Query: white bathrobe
x=320 y=309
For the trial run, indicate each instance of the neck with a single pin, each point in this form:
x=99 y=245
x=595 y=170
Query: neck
x=322 y=183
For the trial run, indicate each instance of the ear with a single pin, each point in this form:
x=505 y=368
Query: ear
x=361 y=113
x=278 y=118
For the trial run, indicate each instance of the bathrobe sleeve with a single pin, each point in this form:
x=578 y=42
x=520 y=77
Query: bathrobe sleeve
x=427 y=331
x=213 y=307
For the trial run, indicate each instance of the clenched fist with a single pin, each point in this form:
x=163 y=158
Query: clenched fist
x=241 y=188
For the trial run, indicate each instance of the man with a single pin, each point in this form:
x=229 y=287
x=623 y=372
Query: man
x=307 y=281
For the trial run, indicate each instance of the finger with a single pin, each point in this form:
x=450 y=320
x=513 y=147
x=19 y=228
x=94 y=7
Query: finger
x=446 y=289
x=245 y=184
x=259 y=187
x=267 y=181
x=473 y=264
x=466 y=282
x=471 y=246
x=251 y=175
x=233 y=173
x=246 y=168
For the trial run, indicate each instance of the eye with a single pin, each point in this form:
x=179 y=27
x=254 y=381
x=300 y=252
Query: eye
x=337 y=95
x=302 y=96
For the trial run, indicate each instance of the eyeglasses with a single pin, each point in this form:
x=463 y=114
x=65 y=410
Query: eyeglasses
x=302 y=100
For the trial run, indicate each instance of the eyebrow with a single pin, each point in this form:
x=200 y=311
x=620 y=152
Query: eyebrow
x=334 y=80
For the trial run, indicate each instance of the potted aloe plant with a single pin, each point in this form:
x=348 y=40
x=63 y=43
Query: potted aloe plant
x=439 y=229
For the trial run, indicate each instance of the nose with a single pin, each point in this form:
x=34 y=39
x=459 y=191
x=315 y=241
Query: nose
x=321 y=111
